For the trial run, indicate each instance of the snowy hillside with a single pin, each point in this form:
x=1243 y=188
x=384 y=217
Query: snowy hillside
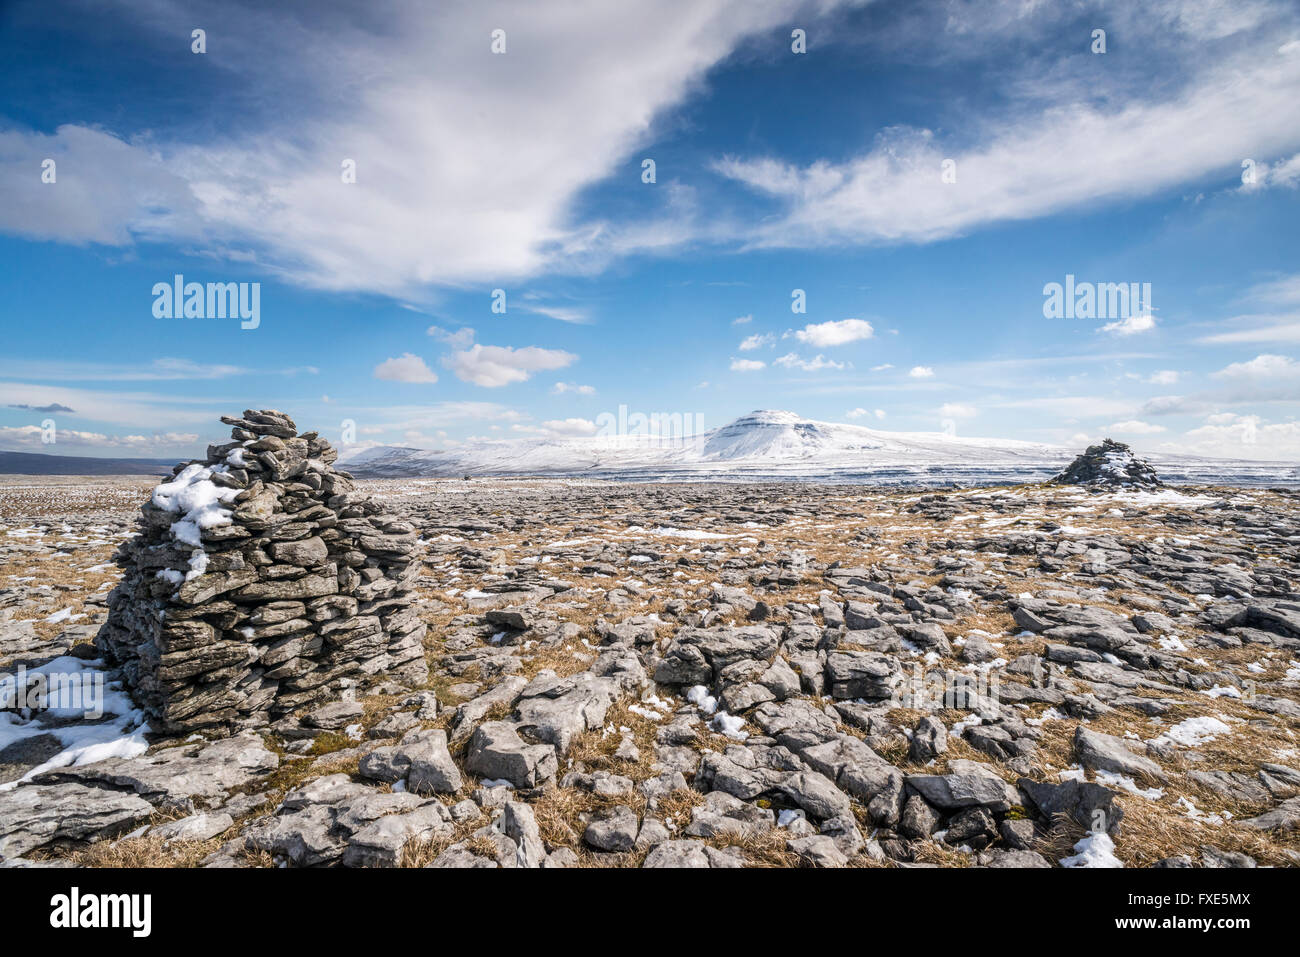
x=766 y=445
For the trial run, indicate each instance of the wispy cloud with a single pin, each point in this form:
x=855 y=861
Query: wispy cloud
x=838 y=332
x=405 y=368
x=1036 y=163
x=158 y=370
x=35 y=438
x=818 y=363
x=467 y=164
x=1130 y=325
x=51 y=407
x=495 y=366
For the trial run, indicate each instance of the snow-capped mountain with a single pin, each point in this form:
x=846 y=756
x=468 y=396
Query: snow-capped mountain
x=775 y=445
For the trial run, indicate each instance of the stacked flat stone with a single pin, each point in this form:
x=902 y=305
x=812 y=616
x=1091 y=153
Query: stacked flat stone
x=1109 y=465
x=261 y=582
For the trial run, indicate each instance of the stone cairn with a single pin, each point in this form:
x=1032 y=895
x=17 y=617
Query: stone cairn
x=1109 y=465
x=261 y=582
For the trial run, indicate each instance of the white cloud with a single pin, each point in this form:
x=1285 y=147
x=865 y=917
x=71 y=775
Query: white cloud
x=467 y=164
x=793 y=361
x=462 y=338
x=861 y=413
x=1130 y=325
x=1264 y=327
x=1163 y=377
x=139 y=411
x=158 y=370
x=405 y=368
x=107 y=190
x=742 y=320
x=1284 y=173
x=390 y=419
x=33 y=437
x=1262 y=367
x=570 y=427
x=1135 y=427
x=921 y=372
x=882 y=368
x=825 y=335
x=1069 y=406
x=747 y=365
x=427 y=113
x=1073 y=150
x=957 y=410
x=562 y=313
x=494 y=366
x=1173 y=405
x=1258 y=329
x=756 y=341
x=1245 y=436
x=1283 y=291
x=187 y=369
x=560 y=388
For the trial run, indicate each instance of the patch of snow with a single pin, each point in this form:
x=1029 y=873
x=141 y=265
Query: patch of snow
x=1193 y=731
x=120 y=734
x=1185 y=805
x=645 y=712
x=730 y=725
x=700 y=697
x=1125 y=782
x=1095 y=850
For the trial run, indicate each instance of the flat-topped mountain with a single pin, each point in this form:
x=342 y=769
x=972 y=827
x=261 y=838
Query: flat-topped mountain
x=770 y=445
x=762 y=442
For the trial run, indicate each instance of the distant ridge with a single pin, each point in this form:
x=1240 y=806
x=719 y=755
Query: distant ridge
x=773 y=445
x=38 y=463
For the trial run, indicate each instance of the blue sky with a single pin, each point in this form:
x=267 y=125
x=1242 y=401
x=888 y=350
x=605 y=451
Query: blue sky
x=775 y=171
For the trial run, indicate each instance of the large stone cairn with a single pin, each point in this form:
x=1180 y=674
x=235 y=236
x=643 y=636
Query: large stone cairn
x=1109 y=465
x=261 y=582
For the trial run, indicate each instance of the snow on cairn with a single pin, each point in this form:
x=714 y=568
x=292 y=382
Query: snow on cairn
x=1109 y=465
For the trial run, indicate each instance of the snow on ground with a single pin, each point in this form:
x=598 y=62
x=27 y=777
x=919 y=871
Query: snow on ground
x=119 y=734
x=733 y=726
x=1124 y=782
x=776 y=445
x=1193 y=731
x=1095 y=850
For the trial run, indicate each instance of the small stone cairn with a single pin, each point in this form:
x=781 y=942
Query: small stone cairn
x=1109 y=465
x=261 y=582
